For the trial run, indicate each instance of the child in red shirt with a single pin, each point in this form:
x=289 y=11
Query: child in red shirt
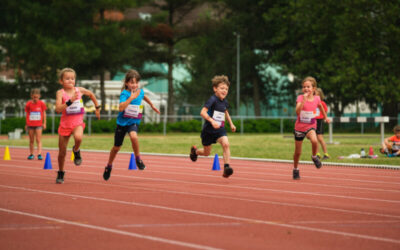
x=320 y=125
x=35 y=122
x=391 y=145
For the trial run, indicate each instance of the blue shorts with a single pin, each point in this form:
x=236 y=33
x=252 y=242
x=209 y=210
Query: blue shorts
x=210 y=138
x=120 y=132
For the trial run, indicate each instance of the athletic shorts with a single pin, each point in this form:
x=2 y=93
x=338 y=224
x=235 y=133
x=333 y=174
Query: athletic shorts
x=121 y=131
x=34 y=127
x=299 y=135
x=210 y=138
x=320 y=127
x=68 y=131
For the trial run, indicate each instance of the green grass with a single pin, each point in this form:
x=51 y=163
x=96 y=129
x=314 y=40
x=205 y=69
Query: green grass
x=273 y=146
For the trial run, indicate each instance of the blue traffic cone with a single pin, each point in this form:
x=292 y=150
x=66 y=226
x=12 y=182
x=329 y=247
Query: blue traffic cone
x=216 y=166
x=47 y=162
x=132 y=162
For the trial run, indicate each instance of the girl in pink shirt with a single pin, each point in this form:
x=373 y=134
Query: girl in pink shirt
x=306 y=123
x=69 y=103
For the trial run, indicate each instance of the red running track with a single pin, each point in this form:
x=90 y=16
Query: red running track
x=177 y=204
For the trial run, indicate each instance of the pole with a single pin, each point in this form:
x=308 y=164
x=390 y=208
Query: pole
x=238 y=72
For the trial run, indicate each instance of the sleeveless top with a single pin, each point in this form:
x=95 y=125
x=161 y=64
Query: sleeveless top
x=72 y=116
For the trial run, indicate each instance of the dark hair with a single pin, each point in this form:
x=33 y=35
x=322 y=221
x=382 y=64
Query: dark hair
x=396 y=129
x=131 y=74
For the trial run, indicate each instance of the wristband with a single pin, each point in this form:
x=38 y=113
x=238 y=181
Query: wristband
x=69 y=102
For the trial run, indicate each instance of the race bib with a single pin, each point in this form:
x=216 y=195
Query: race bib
x=219 y=117
x=307 y=117
x=34 y=116
x=133 y=111
x=317 y=112
x=76 y=108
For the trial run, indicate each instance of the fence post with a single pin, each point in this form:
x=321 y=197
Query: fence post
x=382 y=120
x=165 y=124
x=90 y=124
x=241 y=125
x=281 y=125
x=330 y=132
x=52 y=122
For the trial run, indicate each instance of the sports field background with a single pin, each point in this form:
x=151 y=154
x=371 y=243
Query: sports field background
x=271 y=146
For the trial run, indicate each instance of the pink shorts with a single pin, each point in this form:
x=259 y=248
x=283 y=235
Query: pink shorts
x=68 y=131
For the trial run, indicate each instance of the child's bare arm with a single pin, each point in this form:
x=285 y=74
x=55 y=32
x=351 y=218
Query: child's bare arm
x=146 y=99
x=228 y=117
x=92 y=97
x=204 y=114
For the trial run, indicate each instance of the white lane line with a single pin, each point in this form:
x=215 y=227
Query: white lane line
x=243 y=219
x=11 y=227
x=226 y=197
x=243 y=187
x=110 y=230
x=213 y=224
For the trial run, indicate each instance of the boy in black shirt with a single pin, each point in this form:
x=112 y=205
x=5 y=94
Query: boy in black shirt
x=215 y=111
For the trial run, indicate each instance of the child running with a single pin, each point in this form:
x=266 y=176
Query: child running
x=35 y=111
x=320 y=125
x=306 y=124
x=128 y=120
x=391 y=145
x=69 y=103
x=214 y=112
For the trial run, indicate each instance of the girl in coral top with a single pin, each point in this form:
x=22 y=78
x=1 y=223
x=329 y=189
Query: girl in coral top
x=69 y=103
x=35 y=111
x=306 y=123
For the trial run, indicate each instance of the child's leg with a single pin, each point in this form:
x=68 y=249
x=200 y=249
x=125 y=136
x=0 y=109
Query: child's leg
x=312 y=136
x=31 y=133
x=322 y=142
x=225 y=147
x=297 y=153
x=113 y=154
x=78 y=134
x=205 y=151
x=62 y=151
x=38 y=133
x=135 y=143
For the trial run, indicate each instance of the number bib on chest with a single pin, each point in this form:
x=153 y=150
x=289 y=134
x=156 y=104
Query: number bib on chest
x=34 y=116
x=76 y=108
x=219 y=117
x=133 y=111
x=307 y=117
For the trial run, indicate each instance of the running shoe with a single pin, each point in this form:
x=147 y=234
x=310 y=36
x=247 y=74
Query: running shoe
x=31 y=157
x=140 y=165
x=39 y=157
x=326 y=156
x=228 y=171
x=107 y=173
x=60 y=177
x=193 y=155
x=296 y=174
x=319 y=155
x=77 y=157
x=317 y=162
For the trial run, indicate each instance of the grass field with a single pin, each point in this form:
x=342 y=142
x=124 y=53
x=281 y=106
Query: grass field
x=273 y=146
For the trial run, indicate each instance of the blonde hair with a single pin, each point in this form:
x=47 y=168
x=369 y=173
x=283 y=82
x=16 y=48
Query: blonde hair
x=35 y=92
x=319 y=92
x=396 y=129
x=220 y=79
x=63 y=71
x=131 y=74
x=310 y=79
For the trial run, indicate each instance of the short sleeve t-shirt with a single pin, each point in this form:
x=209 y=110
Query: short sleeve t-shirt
x=133 y=113
x=34 y=113
x=306 y=119
x=396 y=143
x=319 y=114
x=216 y=110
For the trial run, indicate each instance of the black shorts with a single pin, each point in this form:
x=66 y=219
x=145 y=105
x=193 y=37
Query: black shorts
x=120 y=132
x=34 y=127
x=299 y=135
x=320 y=127
x=208 y=138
